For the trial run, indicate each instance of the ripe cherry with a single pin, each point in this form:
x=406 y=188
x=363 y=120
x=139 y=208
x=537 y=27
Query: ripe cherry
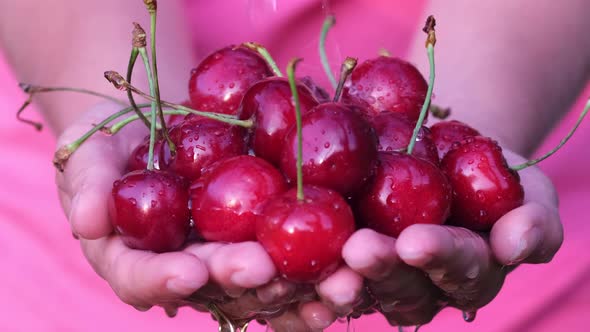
x=270 y=103
x=395 y=131
x=149 y=209
x=200 y=142
x=221 y=80
x=387 y=84
x=339 y=149
x=305 y=237
x=445 y=133
x=227 y=198
x=484 y=187
x=138 y=159
x=404 y=191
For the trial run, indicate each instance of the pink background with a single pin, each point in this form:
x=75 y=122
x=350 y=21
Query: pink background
x=46 y=285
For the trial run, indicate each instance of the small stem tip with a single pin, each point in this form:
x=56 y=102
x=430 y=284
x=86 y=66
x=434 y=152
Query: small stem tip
x=117 y=80
x=440 y=112
x=345 y=70
x=328 y=24
x=266 y=55
x=139 y=36
x=151 y=5
x=429 y=29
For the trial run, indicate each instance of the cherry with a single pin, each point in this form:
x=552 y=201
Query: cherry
x=395 y=131
x=200 y=142
x=484 y=187
x=226 y=199
x=387 y=84
x=270 y=103
x=339 y=148
x=138 y=159
x=305 y=237
x=175 y=119
x=404 y=191
x=149 y=209
x=221 y=80
x=445 y=133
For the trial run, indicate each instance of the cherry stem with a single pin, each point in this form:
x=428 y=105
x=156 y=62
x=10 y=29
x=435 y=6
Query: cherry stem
x=384 y=52
x=266 y=55
x=120 y=83
x=221 y=318
x=153 y=120
x=132 y=60
x=119 y=125
x=291 y=75
x=63 y=153
x=345 y=71
x=31 y=90
x=440 y=112
x=430 y=41
x=328 y=24
x=561 y=143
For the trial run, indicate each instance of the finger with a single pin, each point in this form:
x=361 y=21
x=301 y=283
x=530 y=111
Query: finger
x=531 y=233
x=240 y=266
x=316 y=315
x=142 y=278
x=341 y=291
x=276 y=292
x=395 y=285
x=457 y=261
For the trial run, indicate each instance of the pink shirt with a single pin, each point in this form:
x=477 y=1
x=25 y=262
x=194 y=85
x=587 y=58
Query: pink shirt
x=46 y=284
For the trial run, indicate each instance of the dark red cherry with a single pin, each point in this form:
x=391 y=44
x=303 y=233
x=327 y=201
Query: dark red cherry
x=200 y=142
x=339 y=149
x=149 y=209
x=395 y=131
x=221 y=80
x=484 y=187
x=138 y=159
x=176 y=119
x=305 y=238
x=270 y=103
x=445 y=133
x=227 y=198
x=387 y=84
x=404 y=191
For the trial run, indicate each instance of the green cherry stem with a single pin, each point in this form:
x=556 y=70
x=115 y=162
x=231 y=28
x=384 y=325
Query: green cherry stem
x=121 y=124
x=345 y=71
x=561 y=143
x=154 y=112
x=152 y=7
x=120 y=83
x=63 y=153
x=291 y=75
x=266 y=55
x=138 y=41
x=430 y=41
x=328 y=24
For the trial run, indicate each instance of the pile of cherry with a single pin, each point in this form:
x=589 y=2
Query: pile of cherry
x=230 y=183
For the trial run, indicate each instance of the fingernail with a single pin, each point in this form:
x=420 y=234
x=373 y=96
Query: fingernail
x=182 y=286
x=527 y=243
x=389 y=307
x=75 y=236
x=171 y=312
x=142 y=309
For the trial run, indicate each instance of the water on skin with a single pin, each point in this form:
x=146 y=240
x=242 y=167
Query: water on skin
x=469 y=316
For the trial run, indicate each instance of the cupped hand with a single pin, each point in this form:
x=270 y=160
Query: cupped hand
x=240 y=279
x=429 y=267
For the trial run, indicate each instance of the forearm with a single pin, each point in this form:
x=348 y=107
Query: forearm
x=509 y=68
x=71 y=43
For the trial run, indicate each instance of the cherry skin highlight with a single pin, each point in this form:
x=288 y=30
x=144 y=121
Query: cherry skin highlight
x=339 y=149
x=404 y=191
x=445 y=133
x=387 y=84
x=484 y=187
x=395 y=132
x=270 y=103
x=227 y=198
x=221 y=80
x=201 y=142
x=149 y=209
x=305 y=238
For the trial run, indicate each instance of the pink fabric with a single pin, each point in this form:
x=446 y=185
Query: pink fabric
x=46 y=285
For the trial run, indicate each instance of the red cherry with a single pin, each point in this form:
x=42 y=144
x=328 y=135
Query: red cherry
x=404 y=191
x=270 y=102
x=387 y=84
x=445 y=133
x=138 y=159
x=484 y=187
x=201 y=142
x=149 y=209
x=395 y=131
x=175 y=119
x=305 y=238
x=221 y=80
x=226 y=199
x=339 y=149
